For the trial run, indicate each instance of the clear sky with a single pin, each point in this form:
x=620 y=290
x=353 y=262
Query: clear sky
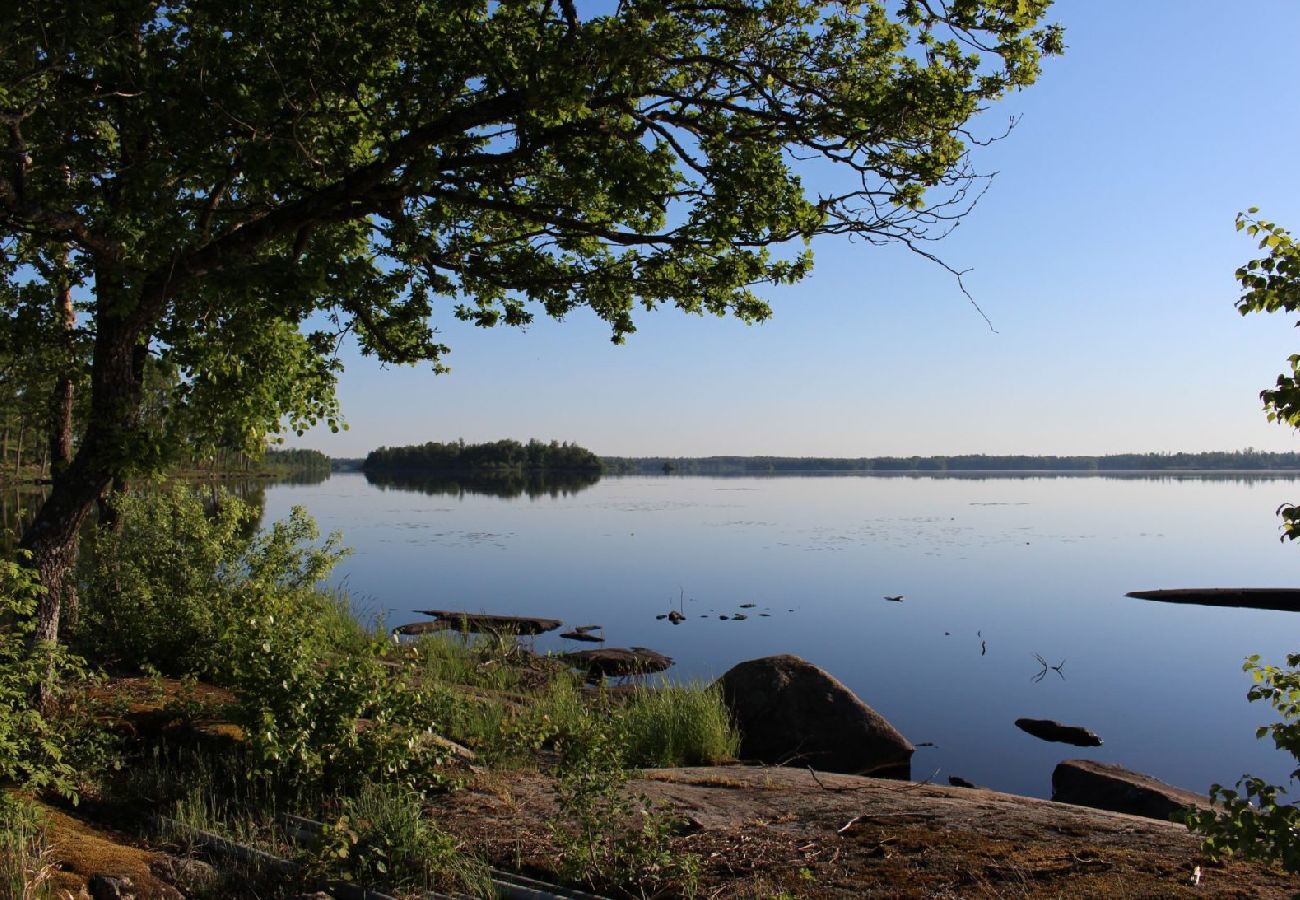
x=1103 y=254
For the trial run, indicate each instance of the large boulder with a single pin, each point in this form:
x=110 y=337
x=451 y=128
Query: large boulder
x=790 y=712
x=1084 y=782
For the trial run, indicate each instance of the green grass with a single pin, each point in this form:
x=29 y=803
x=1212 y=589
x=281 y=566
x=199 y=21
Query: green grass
x=26 y=860
x=679 y=725
x=489 y=662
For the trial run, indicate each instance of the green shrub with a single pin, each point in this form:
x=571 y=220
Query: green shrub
x=332 y=722
x=32 y=746
x=610 y=840
x=170 y=588
x=1251 y=821
x=383 y=838
x=679 y=725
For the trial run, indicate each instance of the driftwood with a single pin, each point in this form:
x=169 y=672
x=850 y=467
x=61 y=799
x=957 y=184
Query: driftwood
x=481 y=623
x=1283 y=599
x=617 y=661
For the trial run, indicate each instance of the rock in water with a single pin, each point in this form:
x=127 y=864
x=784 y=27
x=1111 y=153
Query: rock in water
x=790 y=712
x=1083 y=782
x=617 y=662
x=1047 y=730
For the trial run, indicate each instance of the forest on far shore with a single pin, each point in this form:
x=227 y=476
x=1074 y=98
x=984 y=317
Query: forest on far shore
x=494 y=458
x=1248 y=460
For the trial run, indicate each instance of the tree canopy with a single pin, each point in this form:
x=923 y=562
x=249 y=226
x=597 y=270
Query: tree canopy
x=231 y=188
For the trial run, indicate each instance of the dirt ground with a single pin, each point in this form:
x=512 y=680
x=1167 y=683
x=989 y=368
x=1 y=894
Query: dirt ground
x=761 y=832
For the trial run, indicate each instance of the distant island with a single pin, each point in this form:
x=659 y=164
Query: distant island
x=496 y=459
x=1248 y=460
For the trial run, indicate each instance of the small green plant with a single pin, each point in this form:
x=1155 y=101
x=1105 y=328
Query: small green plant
x=1252 y=821
x=26 y=859
x=383 y=838
x=608 y=839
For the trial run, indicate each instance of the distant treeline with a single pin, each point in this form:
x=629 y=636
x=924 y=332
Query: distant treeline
x=496 y=458
x=1233 y=460
x=307 y=462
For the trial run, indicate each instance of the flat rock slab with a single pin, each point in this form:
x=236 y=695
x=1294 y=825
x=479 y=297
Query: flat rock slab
x=790 y=712
x=582 y=636
x=1084 y=782
x=1283 y=599
x=766 y=831
x=1049 y=730
x=617 y=662
x=482 y=623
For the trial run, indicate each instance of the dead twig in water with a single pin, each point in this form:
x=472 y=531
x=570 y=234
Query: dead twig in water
x=1047 y=667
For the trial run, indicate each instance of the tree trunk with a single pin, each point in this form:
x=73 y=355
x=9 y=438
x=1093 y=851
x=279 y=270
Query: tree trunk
x=18 y=459
x=60 y=438
x=117 y=374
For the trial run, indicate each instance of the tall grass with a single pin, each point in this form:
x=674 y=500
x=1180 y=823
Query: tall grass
x=679 y=725
x=26 y=858
x=488 y=661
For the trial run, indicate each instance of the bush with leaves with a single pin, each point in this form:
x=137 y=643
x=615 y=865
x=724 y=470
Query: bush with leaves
x=32 y=746
x=384 y=838
x=176 y=582
x=609 y=839
x=332 y=722
x=1252 y=821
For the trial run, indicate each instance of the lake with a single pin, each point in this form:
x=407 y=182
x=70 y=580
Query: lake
x=994 y=571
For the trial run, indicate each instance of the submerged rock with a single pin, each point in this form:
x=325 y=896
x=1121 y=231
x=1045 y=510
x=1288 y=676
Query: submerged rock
x=617 y=661
x=791 y=712
x=1048 y=730
x=1084 y=782
x=482 y=623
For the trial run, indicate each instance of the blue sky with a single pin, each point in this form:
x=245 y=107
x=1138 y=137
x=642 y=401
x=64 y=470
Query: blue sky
x=1103 y=254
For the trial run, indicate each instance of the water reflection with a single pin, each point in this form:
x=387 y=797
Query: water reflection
x=504 y=485
x=18 y=506
x=20 y=503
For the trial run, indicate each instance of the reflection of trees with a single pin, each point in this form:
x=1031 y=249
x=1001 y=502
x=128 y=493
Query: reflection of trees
x=514 y=484
x=18 y=506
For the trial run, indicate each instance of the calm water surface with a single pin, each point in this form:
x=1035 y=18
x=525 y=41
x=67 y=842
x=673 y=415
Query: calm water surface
x=995 y=570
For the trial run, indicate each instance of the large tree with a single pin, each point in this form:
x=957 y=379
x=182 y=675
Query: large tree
x=209 y=175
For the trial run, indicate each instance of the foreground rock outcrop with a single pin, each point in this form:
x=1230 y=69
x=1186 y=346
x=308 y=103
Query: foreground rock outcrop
x=1085 y=782
x=790 y=712
x=762 y=831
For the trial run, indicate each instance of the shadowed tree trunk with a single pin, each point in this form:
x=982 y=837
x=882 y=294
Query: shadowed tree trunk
x=60 y=440
x=117 y=376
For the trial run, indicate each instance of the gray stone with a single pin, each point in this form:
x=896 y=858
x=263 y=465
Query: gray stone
x=790 y=712
x=183 y=872
x=1083 y=782
x=110 y=887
